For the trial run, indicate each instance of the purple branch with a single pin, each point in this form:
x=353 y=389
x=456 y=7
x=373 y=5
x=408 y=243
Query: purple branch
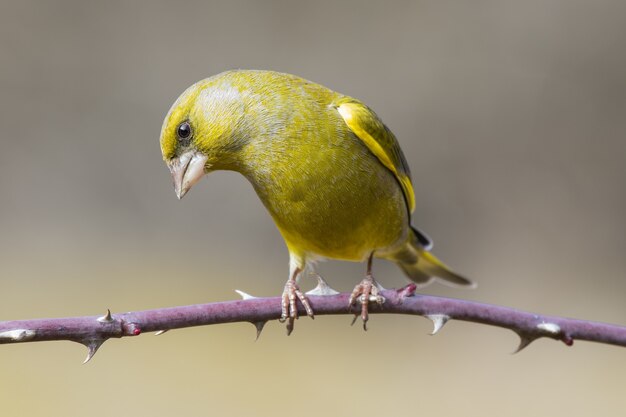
x=93 y=331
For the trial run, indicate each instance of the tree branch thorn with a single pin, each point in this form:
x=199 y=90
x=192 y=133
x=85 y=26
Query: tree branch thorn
x=107 y=318
x=17 y=335
x=245 y=295
x=524 y=341
x=439 y=320
x=92 y=348
x=259 y=328
x=322 y=287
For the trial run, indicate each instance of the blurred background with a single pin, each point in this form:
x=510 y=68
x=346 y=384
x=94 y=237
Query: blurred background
x=512 y=116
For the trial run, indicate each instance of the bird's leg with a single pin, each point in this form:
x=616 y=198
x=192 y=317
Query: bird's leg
x=365 y=292
x=291 y=293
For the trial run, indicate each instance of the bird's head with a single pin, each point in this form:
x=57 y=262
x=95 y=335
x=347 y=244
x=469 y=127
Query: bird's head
x=201 y=132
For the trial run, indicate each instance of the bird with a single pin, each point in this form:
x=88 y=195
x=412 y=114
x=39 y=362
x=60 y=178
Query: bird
x=330 y=173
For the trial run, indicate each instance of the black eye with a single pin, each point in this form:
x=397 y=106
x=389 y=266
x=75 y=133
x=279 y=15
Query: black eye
x=184 y=130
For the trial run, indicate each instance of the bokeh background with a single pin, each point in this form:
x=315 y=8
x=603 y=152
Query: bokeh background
x=512 y=115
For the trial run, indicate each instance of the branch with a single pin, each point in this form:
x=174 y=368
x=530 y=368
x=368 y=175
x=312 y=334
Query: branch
x=93 y=331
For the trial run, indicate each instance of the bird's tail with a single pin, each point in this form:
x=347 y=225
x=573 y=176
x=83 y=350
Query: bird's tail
x=421 y=266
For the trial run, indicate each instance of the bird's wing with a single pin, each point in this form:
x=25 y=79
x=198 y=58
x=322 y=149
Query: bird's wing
x=368 y=127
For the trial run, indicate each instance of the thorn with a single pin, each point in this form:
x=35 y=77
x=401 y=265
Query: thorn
x=259 y=328
x=439 y=320
x=17 y=335
x=245 y=295
x=107 y=318
x=92 y=347
x=322 y=288
x=160 y=332
x=523 y=342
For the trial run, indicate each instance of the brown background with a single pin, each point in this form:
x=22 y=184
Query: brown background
x=512 y=115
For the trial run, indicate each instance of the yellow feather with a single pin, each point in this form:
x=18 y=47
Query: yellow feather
x=380 y=141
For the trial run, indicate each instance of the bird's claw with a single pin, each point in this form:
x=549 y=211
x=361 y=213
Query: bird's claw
x=367 y=291
x=289 y=308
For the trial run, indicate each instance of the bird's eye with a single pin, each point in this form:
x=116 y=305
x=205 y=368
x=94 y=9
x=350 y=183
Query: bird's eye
x=184 y=130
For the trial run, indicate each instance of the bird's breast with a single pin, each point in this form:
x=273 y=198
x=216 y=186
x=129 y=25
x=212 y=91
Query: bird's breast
x=329 y=196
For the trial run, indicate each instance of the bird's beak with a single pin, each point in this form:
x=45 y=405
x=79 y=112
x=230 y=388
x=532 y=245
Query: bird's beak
x=187 y=170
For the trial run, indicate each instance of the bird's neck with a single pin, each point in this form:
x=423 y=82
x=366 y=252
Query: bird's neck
x=259 y=163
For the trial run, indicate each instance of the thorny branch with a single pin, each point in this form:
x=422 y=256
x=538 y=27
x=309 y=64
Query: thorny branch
x=93 y=331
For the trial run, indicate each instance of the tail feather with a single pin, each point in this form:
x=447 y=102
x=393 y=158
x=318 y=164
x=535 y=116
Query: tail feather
x=421 y=266
x=428 y=264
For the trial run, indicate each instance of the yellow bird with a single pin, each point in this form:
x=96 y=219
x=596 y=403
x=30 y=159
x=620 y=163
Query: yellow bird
x=330 y=173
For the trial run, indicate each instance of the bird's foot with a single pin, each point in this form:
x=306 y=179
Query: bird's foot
x=291 y=294
x=367 y=291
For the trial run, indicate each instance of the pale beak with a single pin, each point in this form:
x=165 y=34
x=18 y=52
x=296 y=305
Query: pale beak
x=187 y=170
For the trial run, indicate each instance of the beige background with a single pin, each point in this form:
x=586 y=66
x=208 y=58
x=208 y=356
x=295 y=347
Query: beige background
x=512 y=115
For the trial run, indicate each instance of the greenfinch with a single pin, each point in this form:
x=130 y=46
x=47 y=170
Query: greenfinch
x=330 y=173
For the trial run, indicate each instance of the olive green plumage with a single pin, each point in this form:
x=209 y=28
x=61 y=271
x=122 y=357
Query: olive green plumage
x=330 y=173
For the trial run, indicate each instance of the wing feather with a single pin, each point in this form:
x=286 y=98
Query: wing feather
x=368 y=127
